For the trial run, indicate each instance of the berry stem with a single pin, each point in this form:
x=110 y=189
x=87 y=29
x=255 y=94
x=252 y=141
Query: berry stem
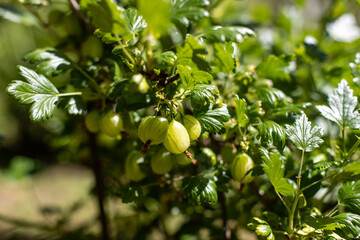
x=146 y=147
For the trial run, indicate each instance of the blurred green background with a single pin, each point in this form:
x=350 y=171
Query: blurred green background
x=43 y=175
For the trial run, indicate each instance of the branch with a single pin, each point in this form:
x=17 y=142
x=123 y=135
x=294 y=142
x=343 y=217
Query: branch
x=227 y=232
x=99 y=188
x=164 y=82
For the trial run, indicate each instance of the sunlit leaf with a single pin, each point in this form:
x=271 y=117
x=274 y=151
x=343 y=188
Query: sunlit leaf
x=50 y=61
x=227 y=34
x=272 y=133
x=262 y=228
x=199 y=190
x=240 y=107
x=349 y=196
x=352 y=225
x=38 y=90
x=303 y=136
x=202 y=95
x=342 y=107
x=212 y=120
x=274 y=168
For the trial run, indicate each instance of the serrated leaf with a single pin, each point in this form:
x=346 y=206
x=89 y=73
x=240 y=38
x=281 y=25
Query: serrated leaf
x=271 y=97
x=303 y=136
x=353 y=168
x=182 y=11
x=50 y=61
x=202 y=95
x=39 y=91
x=322 y=223
x=272 y=133
x=274 y=168
x=342 y=107
x=212 y=120
x=324 y=165
x=74 y=105
x=224 y=61
x=240 y=107
x=352 y=225
x=289 y=109
x=349 y=196
x=262 y=228
x=227 y=34
x=190 y=77
x=134 y=22
x=199 y=190
x=275 y=68
x=107 y=16
x=156 y=14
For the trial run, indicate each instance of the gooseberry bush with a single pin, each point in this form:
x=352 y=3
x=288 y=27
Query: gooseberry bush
x=170 y=111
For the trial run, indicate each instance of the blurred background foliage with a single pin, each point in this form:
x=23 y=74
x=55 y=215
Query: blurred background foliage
x=323 y=34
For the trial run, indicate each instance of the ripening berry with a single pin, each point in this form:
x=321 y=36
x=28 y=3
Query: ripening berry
x=111 y=124
x=241 y=164
x=153 y=129
x=177 y=139
x=192 y=126
x=132 y=166
x=161 y=162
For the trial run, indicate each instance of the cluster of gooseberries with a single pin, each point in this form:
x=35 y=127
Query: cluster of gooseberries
x=175 y=137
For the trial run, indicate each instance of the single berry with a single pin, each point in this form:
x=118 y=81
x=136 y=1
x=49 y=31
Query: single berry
x=193 y=126
x=241 y=164
x=177 y=139
x=132 y=166
x=111 y=124
x=161 y=162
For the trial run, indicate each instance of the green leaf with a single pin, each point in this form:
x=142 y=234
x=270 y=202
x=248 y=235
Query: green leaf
x=272 y=133
x=224 y=61
x=342 y=107
x=289 y=108
x=134 y=23
x=199 y=190
x=240 y=107
x=212 y=120
x=322 y=223
x=271 y=97
x=182 y=11
x=349 y=196
x=156 y=14
x=274 y=168
x=14 y=16
x=39 y=91
x=262 y=228
x=275 y=68
x=106 y=15
x=303 y=136
x=190 y=77
x=50 y=61
x=202 y=95
x=353 y=168
x=227 y=34
x=324 y=165
x=352 y=225
x=75 y=105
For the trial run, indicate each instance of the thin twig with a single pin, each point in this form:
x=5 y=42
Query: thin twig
x=222 y=201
